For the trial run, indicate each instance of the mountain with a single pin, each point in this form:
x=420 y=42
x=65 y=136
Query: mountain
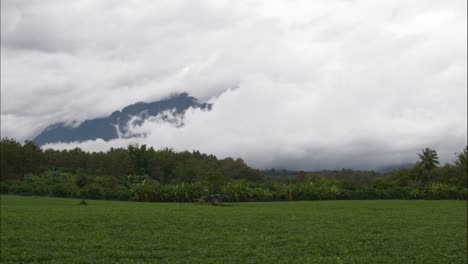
x=395 y=167
x=116 y=124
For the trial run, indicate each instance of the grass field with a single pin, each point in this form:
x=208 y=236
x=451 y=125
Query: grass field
x=35 y=229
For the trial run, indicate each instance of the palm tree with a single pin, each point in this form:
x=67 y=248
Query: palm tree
x=428 y=159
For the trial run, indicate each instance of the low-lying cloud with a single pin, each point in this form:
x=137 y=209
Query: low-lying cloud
x=304 y=85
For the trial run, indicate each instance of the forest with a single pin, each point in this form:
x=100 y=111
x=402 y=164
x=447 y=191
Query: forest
x=141 y=173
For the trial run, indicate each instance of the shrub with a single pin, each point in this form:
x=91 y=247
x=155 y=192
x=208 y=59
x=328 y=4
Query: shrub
x=93 y=191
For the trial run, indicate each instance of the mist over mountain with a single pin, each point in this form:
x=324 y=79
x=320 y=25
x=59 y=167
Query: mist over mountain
x=117 y=124
x=301 y=85
x=392 y=167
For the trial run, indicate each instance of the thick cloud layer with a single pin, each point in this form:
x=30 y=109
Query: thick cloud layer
x=297 y=84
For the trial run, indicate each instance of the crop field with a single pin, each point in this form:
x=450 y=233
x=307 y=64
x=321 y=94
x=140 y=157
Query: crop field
x=55 y=230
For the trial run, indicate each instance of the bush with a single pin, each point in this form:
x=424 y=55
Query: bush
x=143 y=188
x=59 y=190
x=120 y=193
x=145 y=191
x=93 y=191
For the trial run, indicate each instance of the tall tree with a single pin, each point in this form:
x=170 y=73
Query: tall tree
x=428 y=159
x=461 y=163
x=11 y=159
x=32 y=158
x=462 y=160
x=140 y=157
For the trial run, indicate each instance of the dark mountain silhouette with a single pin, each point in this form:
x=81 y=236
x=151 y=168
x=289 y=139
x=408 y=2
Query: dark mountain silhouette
x=109 y=127
x=395 y=167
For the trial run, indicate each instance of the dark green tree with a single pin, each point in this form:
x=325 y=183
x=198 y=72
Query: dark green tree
x=32 y=158
x=11 y=157
x=140 y=157
x=428 y=159
x=462 y=160
x=425 y=167
x=461 y=163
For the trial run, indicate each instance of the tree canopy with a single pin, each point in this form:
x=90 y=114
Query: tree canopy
x=145 y=174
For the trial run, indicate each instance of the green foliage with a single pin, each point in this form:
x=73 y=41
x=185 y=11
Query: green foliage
x=13 y=160
x=140 y=157
x=81 y=180
x=428 y=159
x=144 y=174
x=461 y=164
x=462 y=160
x=93 y=191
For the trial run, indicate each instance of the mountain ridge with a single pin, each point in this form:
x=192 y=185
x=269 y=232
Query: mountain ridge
x=114 y=125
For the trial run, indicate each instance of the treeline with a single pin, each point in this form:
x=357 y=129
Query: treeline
x=166 y=166
x=145 y=174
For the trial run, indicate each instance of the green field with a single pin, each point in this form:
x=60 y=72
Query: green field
x=35 y=229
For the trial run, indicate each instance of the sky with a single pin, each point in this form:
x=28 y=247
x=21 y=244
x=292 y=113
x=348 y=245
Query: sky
x=306 y=85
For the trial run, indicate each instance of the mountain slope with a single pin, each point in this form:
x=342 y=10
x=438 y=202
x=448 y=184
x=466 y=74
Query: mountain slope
x=110 y=127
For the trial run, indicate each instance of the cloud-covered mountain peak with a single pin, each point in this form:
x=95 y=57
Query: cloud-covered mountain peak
x=118 y=124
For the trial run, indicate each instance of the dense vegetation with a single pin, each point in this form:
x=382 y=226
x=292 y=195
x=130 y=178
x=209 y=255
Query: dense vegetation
x=55 y=230
x=144 y=174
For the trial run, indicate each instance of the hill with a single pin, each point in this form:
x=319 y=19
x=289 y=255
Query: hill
x=116 y=124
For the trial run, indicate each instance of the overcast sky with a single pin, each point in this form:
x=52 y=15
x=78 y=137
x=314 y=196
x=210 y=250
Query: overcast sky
x=296 y=84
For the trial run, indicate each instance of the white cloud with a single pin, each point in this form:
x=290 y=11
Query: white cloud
x=319 y=84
